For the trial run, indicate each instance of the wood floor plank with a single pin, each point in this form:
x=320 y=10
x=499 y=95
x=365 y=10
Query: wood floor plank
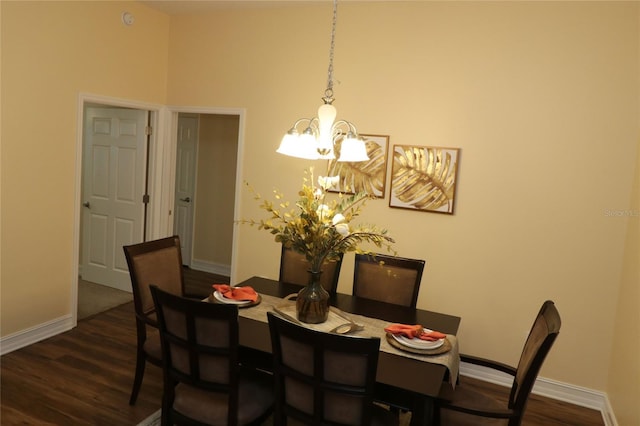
x=542 y=411
x=84 y=377
x=81 y=377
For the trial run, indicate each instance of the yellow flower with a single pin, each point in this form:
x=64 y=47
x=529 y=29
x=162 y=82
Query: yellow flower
x=319 y=228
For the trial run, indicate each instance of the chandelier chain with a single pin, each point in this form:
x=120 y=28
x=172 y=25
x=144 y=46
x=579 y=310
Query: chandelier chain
x=329 y=92
x=316 y=138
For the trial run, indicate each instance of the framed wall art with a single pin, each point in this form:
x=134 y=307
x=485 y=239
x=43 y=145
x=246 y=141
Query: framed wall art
x=369 y=176
x=424 y=178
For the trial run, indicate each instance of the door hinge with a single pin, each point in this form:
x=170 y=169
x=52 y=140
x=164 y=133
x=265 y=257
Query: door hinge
x=145 y=199
x=148 y=130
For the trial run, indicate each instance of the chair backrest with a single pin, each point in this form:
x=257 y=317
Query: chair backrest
x=322 y=378
x=294 y=269
x=387 y=278
x=543 y=333
x=157 y=262
x=199 y=346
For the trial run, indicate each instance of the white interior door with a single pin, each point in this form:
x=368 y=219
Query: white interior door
x=186 y=164
x=113 y=188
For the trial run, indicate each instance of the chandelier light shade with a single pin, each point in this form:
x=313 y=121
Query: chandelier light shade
x=316 y=138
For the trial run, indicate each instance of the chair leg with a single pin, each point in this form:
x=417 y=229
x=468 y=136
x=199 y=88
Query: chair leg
x=165 y=417
x=436 y=414
x=137 y=381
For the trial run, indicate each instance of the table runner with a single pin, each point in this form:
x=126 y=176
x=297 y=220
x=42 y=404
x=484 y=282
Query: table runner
x=373 y=327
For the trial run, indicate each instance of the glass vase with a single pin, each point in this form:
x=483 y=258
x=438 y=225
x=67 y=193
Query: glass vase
x=312 y=303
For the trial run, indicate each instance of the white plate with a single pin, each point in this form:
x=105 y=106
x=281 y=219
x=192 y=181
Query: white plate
x=417 y=343
x=220 y=298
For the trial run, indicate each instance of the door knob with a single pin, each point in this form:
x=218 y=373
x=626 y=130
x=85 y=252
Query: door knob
x=186 y=200
x=87 y=204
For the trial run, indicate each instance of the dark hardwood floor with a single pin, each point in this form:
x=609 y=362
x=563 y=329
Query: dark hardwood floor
x=81 y=377
x=84 y=377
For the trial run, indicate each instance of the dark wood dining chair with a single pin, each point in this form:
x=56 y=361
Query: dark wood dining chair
x=464 y=406
x=156 y=262
x=204 y=382
x=294 y=269
x=324 y=378
x=386 y=278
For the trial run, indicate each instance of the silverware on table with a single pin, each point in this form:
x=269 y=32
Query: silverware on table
x=345 y=328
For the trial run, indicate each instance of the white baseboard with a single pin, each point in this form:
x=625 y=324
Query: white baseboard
x=56 y=326
x=35 y=334
x=211 y=267
x=566 y=392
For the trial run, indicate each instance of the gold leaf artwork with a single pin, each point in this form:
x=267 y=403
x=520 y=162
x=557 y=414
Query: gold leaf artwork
x=424 y=178
x=369 y=176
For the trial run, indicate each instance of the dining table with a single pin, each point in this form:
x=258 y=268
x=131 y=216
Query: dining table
x=409 y=380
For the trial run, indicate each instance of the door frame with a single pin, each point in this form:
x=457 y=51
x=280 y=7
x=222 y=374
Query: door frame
x=170 y=164
x=154 y=217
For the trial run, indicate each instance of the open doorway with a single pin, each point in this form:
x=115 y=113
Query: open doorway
x=207 y=147
x=161 y=158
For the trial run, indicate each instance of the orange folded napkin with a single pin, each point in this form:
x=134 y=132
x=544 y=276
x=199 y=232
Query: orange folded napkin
x=236 y=293
x=414 y=331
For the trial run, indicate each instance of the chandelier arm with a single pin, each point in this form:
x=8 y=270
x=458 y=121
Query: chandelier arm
x=350 y=126
x=337 y=133
x=310 y=122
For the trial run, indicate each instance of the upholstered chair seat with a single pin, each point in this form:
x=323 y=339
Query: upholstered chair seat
x=473 y=400
x=204 y=381
x=152 y=345
x=255 y=396
x=157 y=262
x=464 y=406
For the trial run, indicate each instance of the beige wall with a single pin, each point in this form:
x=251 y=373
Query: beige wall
x=52 y=51
x=541 y=97
x=624 y=372
x=217 y=156
x=542 y=100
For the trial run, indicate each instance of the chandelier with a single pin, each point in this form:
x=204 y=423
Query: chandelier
x=316 y=138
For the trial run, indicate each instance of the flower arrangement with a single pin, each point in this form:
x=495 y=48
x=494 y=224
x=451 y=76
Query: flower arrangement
x=318 y=228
